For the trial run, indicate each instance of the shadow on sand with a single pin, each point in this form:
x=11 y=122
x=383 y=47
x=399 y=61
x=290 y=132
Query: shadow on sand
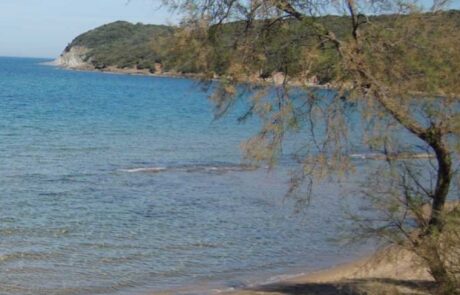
x=349 y=287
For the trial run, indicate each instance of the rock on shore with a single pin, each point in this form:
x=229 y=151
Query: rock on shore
x=73 y=58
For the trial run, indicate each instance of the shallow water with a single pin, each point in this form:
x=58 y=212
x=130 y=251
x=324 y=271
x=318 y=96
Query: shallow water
x=115 y=184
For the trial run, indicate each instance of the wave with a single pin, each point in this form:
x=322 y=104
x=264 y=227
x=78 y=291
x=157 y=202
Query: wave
x=203 y=168
x=220 y=168
x=394 y=156
x=147 y=169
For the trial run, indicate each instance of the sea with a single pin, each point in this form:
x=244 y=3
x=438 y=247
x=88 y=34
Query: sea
x=122 y=184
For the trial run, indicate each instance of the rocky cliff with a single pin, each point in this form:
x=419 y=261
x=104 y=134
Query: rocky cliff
x=74 y=58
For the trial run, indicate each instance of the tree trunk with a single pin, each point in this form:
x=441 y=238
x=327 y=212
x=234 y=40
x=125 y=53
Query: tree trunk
x=444 y=177
x=433 y=233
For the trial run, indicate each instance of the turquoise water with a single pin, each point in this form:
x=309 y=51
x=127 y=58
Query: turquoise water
x=116 y=184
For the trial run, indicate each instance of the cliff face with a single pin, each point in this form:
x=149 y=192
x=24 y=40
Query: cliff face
x=74 y=58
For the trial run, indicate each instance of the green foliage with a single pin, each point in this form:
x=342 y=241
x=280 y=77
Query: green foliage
x=122 y=44
x=284 y=46
x=262 y=47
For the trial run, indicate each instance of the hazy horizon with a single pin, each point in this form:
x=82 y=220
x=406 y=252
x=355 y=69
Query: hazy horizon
x=28 y=28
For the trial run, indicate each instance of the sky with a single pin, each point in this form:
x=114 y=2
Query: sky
x=43 y=28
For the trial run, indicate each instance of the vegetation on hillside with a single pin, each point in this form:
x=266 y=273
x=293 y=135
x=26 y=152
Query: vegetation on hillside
x=282 y=46
x=122 y=45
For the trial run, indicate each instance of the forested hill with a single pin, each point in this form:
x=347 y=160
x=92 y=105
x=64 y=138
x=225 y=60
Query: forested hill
x=140 y=48
x=116 y=45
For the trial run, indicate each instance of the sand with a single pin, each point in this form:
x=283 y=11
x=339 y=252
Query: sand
x=392 y=270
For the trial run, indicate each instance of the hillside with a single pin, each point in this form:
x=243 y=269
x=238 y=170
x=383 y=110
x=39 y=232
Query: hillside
x=140 y=48
x=115 y=45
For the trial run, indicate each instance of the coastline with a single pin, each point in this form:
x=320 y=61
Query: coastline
x=277 y=79
x=392 y=270
x=118 y=71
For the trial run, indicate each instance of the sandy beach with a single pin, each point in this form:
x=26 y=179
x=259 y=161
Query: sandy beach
x=392 y=270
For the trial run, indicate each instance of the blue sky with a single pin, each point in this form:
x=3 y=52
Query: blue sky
x=42 y=28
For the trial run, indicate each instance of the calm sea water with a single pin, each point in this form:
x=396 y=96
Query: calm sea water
x=115 y=184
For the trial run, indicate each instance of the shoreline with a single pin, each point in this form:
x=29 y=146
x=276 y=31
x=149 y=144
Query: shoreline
x=136 y=72
x=118 y=71
x=387 y=271
x=391 y=270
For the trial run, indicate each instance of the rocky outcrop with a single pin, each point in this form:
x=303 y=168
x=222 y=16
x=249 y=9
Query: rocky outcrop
x=74 y=58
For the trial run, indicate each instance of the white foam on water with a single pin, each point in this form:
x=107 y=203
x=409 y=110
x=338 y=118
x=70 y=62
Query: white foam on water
x=192 y=168
x=146 y=169
x=382 y=156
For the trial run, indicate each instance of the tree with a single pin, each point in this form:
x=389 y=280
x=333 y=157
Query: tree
x=394 y=62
